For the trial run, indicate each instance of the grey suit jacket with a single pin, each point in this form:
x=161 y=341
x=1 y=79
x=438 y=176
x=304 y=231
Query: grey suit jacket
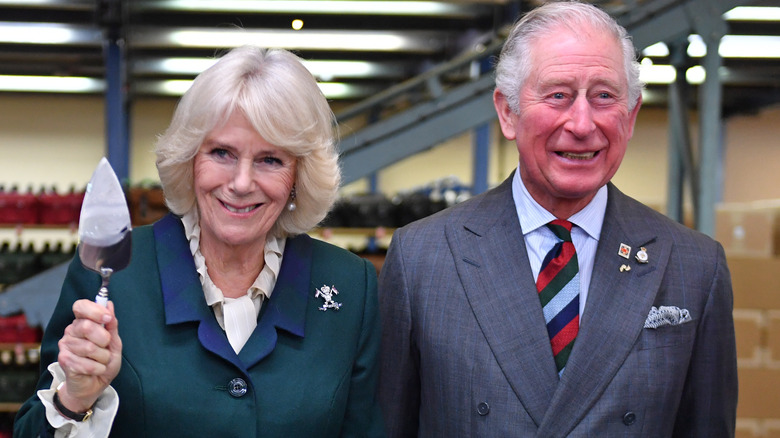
x=465 y=352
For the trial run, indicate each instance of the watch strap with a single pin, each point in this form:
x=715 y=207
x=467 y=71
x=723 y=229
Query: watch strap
x=76 y=416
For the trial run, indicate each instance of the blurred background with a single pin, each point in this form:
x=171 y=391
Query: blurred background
x=411 y=84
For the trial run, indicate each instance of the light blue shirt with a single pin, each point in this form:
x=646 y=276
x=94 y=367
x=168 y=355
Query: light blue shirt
x=539 y=239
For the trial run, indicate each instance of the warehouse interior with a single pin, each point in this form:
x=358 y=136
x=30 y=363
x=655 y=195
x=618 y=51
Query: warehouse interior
x=412 y=92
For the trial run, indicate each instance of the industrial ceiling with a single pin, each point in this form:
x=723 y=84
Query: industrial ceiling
x=355 y=48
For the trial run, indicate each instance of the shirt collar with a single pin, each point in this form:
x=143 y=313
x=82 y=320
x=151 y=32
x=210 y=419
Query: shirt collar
x=263 y=284
x=532 y=215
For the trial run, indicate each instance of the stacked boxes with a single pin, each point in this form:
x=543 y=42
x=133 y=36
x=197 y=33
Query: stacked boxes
x=750 y=234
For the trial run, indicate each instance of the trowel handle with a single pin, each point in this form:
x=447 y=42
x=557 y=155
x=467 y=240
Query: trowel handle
x=102 y=295
x=103 y=301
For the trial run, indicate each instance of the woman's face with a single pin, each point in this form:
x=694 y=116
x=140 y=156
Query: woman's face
x=242 y=184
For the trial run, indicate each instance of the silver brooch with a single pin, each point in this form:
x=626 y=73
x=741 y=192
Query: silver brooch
x=641 y=255
x=326 y=293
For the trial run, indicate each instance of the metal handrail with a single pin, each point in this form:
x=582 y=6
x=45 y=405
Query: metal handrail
x=390 y=94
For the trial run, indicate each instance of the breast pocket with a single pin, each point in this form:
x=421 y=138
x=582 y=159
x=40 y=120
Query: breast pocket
x=667 y=336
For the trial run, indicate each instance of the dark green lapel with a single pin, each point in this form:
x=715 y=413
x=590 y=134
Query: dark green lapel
x=182 y=291
x=184 y=301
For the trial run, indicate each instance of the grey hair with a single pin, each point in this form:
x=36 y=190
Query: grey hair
x=281 y=99
x=514 y=65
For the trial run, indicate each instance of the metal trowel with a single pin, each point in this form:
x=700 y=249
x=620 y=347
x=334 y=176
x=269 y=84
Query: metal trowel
x=104 y=227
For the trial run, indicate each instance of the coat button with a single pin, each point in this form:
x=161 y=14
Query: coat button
x=483 y=408
x=237 y=387
x=629 y=418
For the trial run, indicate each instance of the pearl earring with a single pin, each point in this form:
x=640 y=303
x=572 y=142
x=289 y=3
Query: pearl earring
x=291 y=206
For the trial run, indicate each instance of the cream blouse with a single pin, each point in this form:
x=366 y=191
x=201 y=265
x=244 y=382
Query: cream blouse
x=243 y=311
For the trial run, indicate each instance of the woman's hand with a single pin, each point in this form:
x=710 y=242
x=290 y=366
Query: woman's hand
x=90 y=354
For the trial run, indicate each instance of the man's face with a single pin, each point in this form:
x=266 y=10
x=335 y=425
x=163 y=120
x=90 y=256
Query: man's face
x=574 y=121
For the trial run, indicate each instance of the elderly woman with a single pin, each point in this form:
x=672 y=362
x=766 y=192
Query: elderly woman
x=229 y=321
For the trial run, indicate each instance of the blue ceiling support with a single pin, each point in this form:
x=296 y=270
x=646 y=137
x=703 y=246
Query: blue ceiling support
x=110 y=17
x=681 y=164
x=417 y=129
x=441 y=115
x=481 y=144
x=711 y=133
x=481 y=159
x=117 y=119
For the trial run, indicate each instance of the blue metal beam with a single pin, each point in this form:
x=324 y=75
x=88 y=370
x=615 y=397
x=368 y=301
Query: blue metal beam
x=417 y=129
x=117 y=118
x=481 y=159
x=681 y=163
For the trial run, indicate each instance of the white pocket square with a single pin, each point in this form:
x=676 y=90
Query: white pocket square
x=666 y=315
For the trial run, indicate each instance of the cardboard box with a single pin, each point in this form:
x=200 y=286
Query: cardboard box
x=772 y=428
x=147 y=205
x=749 y=229
x=749 y=428
x=773 y=339
x=749 y=330
x=756 y=282
x=759 y=393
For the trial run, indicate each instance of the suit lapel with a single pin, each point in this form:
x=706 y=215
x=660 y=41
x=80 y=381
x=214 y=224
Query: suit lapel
x=492 y=263
x=616 y=308
x=184 y=301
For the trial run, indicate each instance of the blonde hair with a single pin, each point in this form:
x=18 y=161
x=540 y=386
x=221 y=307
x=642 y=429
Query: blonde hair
x=281 y=99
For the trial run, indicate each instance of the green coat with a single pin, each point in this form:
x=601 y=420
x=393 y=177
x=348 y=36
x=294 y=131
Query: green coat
x=308 y=372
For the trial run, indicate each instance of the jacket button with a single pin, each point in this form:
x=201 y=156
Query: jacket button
x=629 y=418
x=483 y=408
x=237 y=387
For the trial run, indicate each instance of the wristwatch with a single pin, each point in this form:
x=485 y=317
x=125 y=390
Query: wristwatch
x=76 y=416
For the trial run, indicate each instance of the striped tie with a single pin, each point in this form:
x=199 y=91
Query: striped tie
x=558 y=285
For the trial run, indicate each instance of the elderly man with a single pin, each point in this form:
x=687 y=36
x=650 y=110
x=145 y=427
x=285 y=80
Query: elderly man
x=554 y=305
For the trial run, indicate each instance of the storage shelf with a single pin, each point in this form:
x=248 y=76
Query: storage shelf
x=10 y=406
x=354 y=238
x=64 y=227
x=13 y=345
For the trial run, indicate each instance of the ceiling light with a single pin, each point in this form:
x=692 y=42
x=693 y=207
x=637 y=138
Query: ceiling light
x=731 y=46
x=738 y=46
x=54 y=84
x=184 y=66
x=695 y=75
x=59 y=4
x=413 y=41
x=168 y=88
x=696 y=46
x=321 y=69
x=314 y=7
x=753 y=13
x=297 y=24
x=657 y=74
x=750 y=46
x=48 y=33
x=657 y=50
x=331 y=90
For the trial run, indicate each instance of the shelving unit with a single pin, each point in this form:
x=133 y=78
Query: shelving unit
x=39 y=235
x=26 y=373
x=9 y=407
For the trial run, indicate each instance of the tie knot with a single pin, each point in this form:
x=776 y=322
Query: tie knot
x=561 y=228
